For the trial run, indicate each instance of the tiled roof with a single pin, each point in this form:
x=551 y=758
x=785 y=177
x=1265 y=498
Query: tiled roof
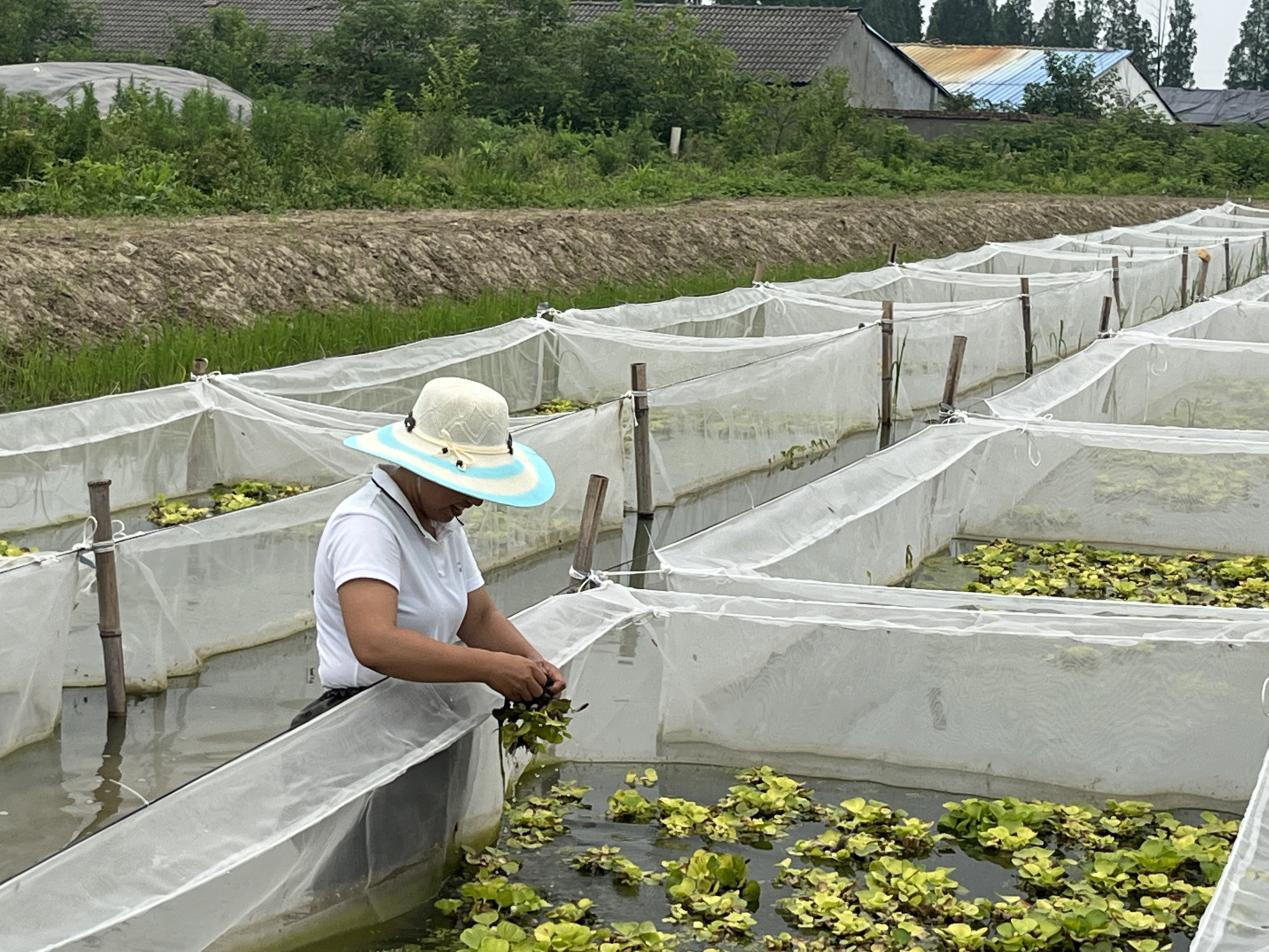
x=793 y=41
x=1217 y=107
x=149 y=25
x=997 y=74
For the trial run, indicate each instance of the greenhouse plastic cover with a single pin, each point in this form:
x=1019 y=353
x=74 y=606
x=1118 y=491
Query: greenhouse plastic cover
x=60 y=83
x=352 y=815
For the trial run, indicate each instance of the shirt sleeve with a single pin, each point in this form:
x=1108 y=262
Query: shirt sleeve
x=363 y=546
x=471 y=571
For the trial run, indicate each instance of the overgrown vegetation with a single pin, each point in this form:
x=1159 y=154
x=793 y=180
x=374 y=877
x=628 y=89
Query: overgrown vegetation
x=499 y=103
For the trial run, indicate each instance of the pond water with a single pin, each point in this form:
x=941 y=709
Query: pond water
x=547 y=869
x=1219 y=403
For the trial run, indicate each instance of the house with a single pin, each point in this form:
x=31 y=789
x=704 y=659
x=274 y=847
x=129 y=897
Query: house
x=795 y=42
x=1218 y=107
x=149 y=26
x=799 y=43
x=999 y=75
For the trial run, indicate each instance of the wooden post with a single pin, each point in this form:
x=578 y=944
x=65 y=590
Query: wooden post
x=1264 y=252
x=198 y=368
x=1205 y=262
x=1114 y=280
x=1185 y=276
x=592 y=514
x=642 y=442
x=108 y=624
x=758 y=273
x=1028 y=362
x=640 y=553
x=887 y=372
x=894 y=252
x=953 y=374
x=1103 y=326
x=676 y=138
x=1229 y=268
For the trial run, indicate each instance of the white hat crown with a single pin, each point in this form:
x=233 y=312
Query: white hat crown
x=462 y=412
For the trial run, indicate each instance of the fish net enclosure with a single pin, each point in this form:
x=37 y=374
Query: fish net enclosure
x=729 y=680
x=1211 y=384
x=915 y=578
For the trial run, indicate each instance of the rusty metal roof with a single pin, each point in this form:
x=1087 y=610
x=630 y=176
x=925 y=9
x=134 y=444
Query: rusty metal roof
x=998 y=74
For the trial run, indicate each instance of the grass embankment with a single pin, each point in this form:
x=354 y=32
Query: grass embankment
x=46 y=373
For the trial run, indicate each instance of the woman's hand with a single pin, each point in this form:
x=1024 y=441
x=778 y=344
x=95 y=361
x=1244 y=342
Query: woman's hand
x=518 y=678
x=558 y=683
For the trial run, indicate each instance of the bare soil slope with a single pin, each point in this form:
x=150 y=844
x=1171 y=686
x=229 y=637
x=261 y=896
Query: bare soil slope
x=84 y=279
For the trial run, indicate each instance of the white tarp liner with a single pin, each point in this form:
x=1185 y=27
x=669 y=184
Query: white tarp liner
x=37 y=599
x=875 y=521
x=1159 y=381
x=63 y=83
x=350 y=817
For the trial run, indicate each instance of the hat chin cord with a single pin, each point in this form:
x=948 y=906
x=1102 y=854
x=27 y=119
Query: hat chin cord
x=449 y=449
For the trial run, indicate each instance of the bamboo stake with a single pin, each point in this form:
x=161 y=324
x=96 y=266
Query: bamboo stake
x=1119 y=304
x=1229 y=268
x=639 y=557
x=1103 y=326
x=108 y=624
x=1185 y=276
x=894 y=252
x=758 y=273
x=1205 y=262
x=953 y=374
x=887 y=372
x=198 y=368
x=592 y=512
x=642 y=442
x=1027 y=342
x=1264 y=252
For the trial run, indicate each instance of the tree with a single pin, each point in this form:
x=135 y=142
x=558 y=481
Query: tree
x=245 y=55
x=1012 y=25
x=1073 y=89
x=1059 y=25
x=1127 y=29
x=1249 y=62
x=961 y=21
x=1177 y=63
x=1089 y=26
x=899 y=21
x=33 y=30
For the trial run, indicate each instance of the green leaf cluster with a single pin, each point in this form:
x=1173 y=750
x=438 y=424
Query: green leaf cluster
x=533 y=726
x=1074 y=569
x=11 y=550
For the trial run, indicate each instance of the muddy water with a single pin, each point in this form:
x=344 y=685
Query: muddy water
x=547 y=869
x=81 y=778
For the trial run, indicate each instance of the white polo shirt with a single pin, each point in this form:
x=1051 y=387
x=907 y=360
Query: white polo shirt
x=374 y=533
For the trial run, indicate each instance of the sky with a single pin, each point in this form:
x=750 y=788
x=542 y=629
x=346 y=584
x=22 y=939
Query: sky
x=1217 y=22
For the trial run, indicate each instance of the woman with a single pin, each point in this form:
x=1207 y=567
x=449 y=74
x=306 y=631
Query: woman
x=395 y=586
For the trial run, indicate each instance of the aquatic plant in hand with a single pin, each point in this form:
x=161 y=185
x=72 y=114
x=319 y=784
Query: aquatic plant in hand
x=532 y=726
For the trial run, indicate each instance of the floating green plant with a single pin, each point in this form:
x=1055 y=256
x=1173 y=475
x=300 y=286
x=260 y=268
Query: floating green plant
x=11 y=550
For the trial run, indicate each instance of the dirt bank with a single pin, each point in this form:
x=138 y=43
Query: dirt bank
x=83 y=279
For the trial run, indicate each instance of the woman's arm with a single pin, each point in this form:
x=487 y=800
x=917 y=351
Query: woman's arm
x=484 y=626
x=370 y=617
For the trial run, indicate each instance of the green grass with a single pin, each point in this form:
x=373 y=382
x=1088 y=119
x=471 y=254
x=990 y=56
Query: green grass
x=44 y=373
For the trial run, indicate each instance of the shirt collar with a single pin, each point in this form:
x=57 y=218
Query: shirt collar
x=389 y=486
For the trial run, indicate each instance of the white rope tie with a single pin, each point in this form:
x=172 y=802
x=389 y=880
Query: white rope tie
x=593 y=578
x=1264 y=697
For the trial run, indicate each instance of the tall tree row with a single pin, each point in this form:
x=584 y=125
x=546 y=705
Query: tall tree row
x=961 y=21
x=899 y=21
x=1127 y=29
x=1249 y=62
x=1012 y=25
x=1177 y=63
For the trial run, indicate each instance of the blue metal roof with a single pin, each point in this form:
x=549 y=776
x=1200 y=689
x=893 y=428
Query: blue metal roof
x=999 y=74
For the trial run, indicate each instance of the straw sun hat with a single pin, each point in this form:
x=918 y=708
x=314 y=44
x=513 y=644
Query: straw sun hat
x=458 y=435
